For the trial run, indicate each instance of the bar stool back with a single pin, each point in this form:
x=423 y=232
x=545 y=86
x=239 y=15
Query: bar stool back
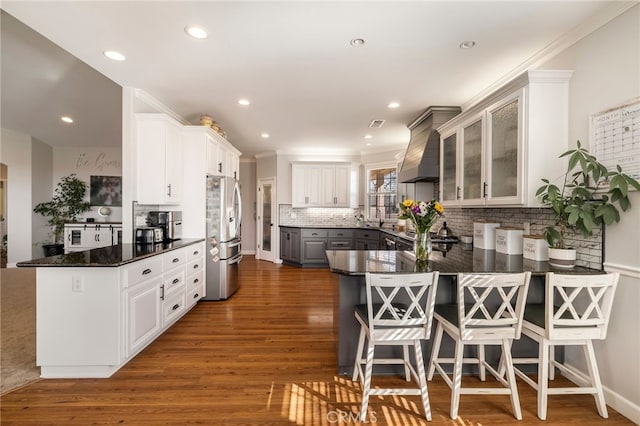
x=399 y=311
x=576 y=311
x=489 y=311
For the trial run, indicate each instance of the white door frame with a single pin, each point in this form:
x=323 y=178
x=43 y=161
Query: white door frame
x=273 y=254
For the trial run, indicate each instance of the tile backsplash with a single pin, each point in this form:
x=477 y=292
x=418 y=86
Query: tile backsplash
x=459 y=220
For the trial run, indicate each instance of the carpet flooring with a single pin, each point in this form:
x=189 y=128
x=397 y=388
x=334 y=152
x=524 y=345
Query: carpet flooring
x=17 y=328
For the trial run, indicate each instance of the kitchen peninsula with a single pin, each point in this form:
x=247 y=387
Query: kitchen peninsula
x=448 y=259
x=97 y=309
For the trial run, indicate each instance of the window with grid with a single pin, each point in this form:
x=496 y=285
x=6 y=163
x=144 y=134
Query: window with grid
x=381 y=197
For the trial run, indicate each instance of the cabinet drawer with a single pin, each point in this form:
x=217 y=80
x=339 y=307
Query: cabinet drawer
x=195 y=294
x=314 y=233
x=173 y=259
x=195 y=280
x=141 y=271
x=195 y=251
x=341 y=233
x=340 y=244
x=195 y=266
x=367 y=234
x=173 y=308
x=173 y=282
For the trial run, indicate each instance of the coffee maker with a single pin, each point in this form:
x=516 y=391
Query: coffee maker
x=170 y=222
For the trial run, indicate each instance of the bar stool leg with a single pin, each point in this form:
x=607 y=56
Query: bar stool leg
x=417 y=345
x=358 y=363
x=366 y=385
x=405 y=355
x=457 y=380
x=543 y=377
x=435 y=349
x=483 y=376
x=511 y=379
x=594 y=375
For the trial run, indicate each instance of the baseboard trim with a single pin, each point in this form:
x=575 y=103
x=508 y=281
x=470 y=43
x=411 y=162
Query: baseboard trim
x=613 y=399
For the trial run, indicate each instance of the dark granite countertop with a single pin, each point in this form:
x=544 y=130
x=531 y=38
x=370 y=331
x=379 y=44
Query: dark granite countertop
x=389 y=231
x=111 y=256
x=448 y=259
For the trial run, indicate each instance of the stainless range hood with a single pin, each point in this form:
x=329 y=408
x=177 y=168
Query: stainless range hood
x=422 y=160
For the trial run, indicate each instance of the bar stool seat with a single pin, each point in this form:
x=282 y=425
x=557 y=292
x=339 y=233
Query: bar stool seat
x=401 y=315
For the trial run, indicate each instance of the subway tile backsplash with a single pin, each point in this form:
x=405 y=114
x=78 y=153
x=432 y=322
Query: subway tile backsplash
x=459 y=220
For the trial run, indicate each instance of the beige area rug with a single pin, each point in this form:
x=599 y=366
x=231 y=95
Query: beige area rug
x=17 y=328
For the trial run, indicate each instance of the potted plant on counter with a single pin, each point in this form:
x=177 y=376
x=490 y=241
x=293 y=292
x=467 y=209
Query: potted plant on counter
x=67 y=204
x=589 y=197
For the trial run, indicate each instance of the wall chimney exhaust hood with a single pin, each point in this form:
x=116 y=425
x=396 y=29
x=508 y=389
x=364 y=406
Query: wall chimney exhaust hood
x=422 y=160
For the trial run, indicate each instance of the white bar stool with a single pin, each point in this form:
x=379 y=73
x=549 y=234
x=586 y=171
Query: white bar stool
x=489 y=312
x=401 y=315
x=576 y=311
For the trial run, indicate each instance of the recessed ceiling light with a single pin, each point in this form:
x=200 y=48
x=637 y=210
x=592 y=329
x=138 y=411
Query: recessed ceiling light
x=66 y=119
x=112 y=54
x=393 y=105
x=196 y=32
x=264 y=135
x=467 y=44
x=244 y=102
x=358 y=42
x=368 y=137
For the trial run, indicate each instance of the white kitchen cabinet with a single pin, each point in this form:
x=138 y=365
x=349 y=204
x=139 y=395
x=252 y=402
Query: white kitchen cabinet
x=324 y=185
x=159 y=159
x=142 y=314
x=92 y=320
x=221 y=158
x=87 y=236
x=496 y=152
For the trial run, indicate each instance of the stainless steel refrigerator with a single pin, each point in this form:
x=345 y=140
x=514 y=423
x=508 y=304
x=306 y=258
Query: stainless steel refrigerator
x=224 y=211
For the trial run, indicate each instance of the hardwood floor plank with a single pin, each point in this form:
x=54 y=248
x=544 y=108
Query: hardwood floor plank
x=266 y=356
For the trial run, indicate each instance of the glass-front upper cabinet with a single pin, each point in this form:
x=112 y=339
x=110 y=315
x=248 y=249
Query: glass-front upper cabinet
x=504 y=148
x=472 y=162
x=450 y=191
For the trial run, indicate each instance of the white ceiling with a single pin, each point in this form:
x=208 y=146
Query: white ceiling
x=309 y=88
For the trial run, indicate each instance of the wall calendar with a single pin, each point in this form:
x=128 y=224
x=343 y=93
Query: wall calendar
x=615 y=137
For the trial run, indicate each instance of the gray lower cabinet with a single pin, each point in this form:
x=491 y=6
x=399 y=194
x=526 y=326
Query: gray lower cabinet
x=314 y=245
x=290 y=245
x=367 y=239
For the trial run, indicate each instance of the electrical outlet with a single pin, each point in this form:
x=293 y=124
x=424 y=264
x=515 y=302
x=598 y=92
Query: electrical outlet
x=293 y=215
x=77 y=284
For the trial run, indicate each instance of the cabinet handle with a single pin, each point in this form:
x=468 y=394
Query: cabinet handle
x=174 y=307
x=306 y=200
x=195 y=253
x=162 y=294
x=196 y=266
x=146 y=271
x=169 y=190
x=175 y=260
x=457 y=192
x=196 y=281
x=175 y=281
x=484 y=189
x=69 y=237
x=235 y=175
x=219 y=167
x=195 y=296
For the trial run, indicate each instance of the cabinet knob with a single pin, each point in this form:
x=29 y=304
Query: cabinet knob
x=195 y=296
x=196 y=266
x=174 y=307
x=175 y=281
x=196 y=281
x=175 y=260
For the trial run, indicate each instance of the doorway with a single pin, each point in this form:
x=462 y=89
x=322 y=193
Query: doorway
x=266 y=229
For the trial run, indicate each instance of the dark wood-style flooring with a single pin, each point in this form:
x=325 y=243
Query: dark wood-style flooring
x=264 y=357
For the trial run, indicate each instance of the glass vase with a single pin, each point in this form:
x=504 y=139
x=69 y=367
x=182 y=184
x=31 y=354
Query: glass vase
x=422 y=245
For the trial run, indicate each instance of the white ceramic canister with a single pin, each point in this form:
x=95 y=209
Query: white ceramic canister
x=534 y=247
x=509 y=240
x=484 y=235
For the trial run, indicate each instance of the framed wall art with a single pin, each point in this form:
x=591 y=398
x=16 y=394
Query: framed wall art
x=106 y=191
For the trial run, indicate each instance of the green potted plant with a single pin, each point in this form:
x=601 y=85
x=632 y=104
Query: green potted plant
x=589 y=197
x=67 y=203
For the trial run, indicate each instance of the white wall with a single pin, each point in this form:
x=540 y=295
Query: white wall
x=606 y=68
x=41 y=190
x=15 y=152
x=248 y=182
